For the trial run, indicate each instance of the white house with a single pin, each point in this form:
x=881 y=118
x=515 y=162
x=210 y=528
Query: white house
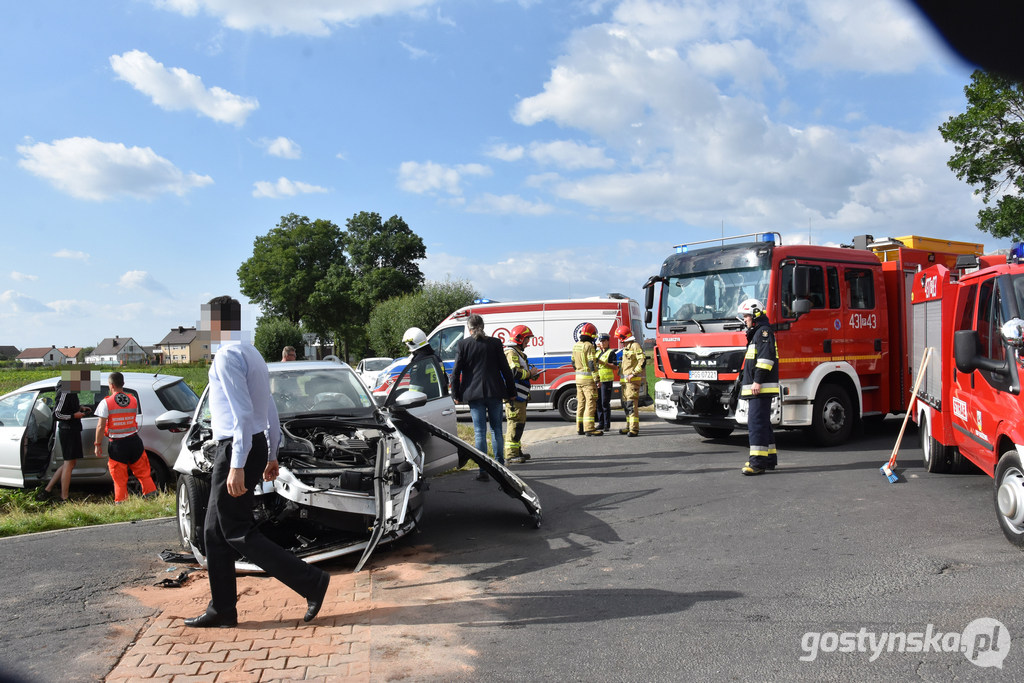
x=48 y=356
x=118 y=351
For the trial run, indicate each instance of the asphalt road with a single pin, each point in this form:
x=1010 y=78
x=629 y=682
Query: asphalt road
x=657 y=561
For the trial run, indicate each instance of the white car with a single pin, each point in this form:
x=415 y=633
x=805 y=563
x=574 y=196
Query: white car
x=369 y=368
x=351 y=472
x=30 y=452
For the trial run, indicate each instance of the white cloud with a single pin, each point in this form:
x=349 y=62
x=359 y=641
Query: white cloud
x=415 y=52
x=569 y=155
x=17 y=302
x=284 y=188
x=508 y=204
x=283 y=147
x=504 y=152
x=71 y=254
x=739 y=60
x=310 y=17
x=879 y=36
x=429 y=177
x=175 y=89
x=23 y=277
x=86 y=168
x=141 y=279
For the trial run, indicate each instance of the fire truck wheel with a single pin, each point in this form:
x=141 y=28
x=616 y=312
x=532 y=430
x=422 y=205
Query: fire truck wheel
x=1009 y=497
x=567 y=405
x=935 y=456
x=833 y=416
x=713 y=432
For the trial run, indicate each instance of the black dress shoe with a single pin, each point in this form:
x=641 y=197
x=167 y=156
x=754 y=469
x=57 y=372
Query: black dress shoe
x=316 y=602
x=211 y=620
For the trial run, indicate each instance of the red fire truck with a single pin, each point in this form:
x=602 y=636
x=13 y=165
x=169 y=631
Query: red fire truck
x=970 y=410
x=840 y=316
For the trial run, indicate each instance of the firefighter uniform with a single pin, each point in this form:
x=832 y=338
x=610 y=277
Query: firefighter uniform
x=631 y=375
x=760 y=366
x=515 y=408
x=125 y=450
x=584 y=356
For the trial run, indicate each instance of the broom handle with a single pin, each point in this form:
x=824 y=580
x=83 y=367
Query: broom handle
x=910 y=406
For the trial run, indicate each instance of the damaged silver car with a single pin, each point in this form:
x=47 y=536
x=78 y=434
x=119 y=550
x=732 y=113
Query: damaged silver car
x=352 y=473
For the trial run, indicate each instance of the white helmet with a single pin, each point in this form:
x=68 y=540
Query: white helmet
x=751 y=307
x=414 y=338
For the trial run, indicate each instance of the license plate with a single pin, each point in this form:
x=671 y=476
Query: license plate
x=703 y=374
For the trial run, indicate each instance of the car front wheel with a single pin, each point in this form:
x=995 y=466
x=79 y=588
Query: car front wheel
x=193 y=496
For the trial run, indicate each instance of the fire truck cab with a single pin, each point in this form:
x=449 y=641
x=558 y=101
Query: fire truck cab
x=840 y=321
x=969 y=408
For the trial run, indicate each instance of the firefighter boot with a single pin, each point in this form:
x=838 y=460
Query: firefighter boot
x=633 y=432
x=751 y=470
x=624 y=430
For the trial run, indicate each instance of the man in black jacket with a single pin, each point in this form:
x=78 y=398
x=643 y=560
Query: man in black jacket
x=482 y=378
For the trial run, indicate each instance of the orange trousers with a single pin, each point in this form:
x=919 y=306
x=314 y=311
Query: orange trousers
x=119 y=473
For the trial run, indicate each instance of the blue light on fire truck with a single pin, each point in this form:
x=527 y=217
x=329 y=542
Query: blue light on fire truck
x=768 y=237
x=1017 y=252
x=682 y=248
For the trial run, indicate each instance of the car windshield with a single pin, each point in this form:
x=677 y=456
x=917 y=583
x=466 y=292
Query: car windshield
x=375 y=364
x=713 y=295
x=335 y=391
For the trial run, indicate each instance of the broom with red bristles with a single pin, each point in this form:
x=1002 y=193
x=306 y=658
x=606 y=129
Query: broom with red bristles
x=887 y=468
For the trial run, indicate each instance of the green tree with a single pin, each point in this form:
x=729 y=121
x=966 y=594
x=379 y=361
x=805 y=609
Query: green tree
x=289 y=262
x=273 y=333
x=424 y=309
x=383 y=257
x=988 y=142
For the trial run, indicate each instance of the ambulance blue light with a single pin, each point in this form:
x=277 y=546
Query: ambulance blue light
x=682 y=248
x=482 y=301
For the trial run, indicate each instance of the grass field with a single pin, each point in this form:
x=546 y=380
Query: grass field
x=194 y=375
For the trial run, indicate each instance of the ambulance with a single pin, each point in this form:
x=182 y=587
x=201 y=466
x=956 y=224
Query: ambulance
x=555 y=325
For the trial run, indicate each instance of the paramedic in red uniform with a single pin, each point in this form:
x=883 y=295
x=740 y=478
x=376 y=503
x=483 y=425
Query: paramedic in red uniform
x=118 y=414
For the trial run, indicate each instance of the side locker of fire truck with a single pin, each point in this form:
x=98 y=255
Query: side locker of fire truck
x=976 y=414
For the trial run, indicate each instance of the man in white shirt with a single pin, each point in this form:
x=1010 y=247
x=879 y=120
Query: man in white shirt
x=243 y=415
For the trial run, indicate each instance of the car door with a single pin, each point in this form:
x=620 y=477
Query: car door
x=15 y=410
x=426 y=374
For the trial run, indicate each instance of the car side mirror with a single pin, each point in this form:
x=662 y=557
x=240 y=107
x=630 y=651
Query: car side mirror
x=174 y=421
x=965 y=353
x=409 y=400
x=801 y=306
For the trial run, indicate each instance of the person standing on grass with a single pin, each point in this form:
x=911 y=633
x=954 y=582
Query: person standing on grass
x=482 y=378
x=118 y=414
x=69 y=413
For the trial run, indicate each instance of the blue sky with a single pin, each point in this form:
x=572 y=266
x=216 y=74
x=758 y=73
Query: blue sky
x=541 y=148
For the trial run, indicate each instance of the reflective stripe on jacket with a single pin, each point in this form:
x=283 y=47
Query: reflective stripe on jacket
x=122 y=415
x=583 y=355
x=606 y=374
x=520 y=366
x=760 y=363
x=633 y=361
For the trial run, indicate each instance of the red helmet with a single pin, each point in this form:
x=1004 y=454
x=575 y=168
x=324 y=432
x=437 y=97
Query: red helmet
x=521 y=334
x=623 y=333
x=588 y=330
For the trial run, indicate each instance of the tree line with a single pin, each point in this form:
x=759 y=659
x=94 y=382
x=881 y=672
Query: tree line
x=357 y=289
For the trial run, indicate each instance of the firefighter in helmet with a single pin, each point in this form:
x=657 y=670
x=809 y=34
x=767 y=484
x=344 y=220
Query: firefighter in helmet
x=760 y=384
x=584 y=360
x=422 y=376
x=631 y=375
x=515 y=407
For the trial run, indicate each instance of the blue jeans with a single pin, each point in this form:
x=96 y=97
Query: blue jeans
x=487 y=411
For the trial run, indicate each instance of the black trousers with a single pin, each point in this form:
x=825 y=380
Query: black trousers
x=229 y=532
x=603 y=419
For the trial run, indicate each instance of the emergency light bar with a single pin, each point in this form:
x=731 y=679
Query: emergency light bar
x=1016 y=253
x=761 y=237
